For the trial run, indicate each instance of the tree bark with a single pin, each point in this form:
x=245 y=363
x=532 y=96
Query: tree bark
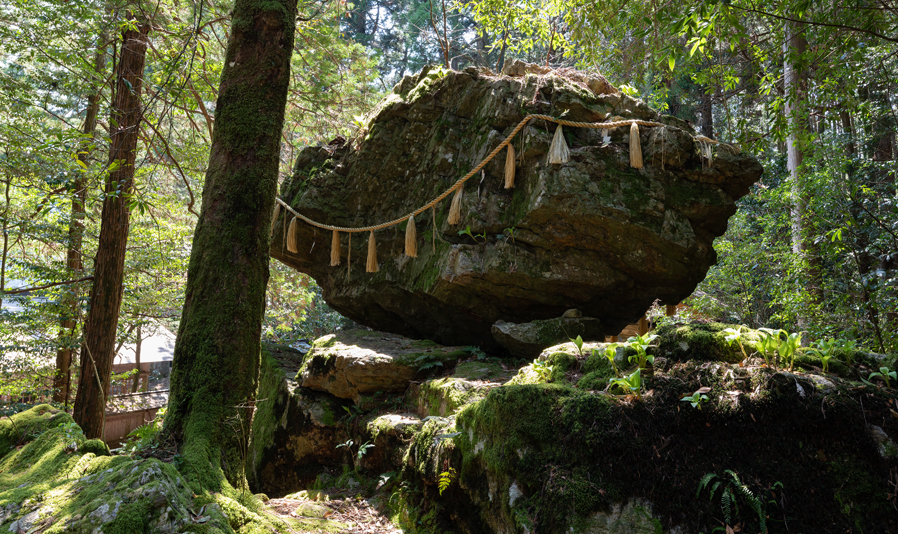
x=705 y=108
x=74 y=265
x=98 y=347
x=795 y=80
x=217 y=352
x=135 y=385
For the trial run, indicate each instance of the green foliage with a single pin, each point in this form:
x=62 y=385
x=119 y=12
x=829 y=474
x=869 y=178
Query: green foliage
x=467 y=231
x=730 y=491
x=886 y=374
x=578 y=342
x=543 y=370
x=631 y=383
x=789 y=348
x=610 y=354
x=697 y=398
x=446 y=478
x=770 y=343
x=143 y=438
x=825 y=350
x=361 y=449
x=735 y=335
x=640 y=344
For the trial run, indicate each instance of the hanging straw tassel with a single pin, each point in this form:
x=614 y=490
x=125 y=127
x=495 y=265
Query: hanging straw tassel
x=335 y=249
x=455 y=208
x=635 y=148
x=274 y=216
x=558 y=151
x=291 y=237
x=372 y=254
x=509 y=167
x=411 y=238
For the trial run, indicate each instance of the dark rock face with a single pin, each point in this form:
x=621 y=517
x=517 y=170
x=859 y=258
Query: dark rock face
x=592 y=234
x=528 y=340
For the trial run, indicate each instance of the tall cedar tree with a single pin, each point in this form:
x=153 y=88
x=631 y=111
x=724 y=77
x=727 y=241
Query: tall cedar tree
x=98 y=347
x=217 y=352
x=62 y=380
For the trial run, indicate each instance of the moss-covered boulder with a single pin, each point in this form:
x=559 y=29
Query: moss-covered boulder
x=389 y=436
x=813 y=450
x=55 y=483
x=295 y=432
x=353 y=363
x=593 y=233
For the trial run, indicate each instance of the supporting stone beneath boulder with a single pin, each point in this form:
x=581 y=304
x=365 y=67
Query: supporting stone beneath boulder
x=527 y=340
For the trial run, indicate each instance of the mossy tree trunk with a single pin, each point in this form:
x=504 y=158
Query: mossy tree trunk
x=98 y=347
x=216 y=362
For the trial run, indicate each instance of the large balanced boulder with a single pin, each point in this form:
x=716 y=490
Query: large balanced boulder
x=593 y=233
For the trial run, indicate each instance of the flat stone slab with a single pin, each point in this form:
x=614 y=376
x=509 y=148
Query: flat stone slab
x=354 y=363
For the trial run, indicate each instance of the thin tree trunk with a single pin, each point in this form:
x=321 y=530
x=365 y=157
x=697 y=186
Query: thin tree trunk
x=135 y=385
x=706 y=110
x=97 y=349
x=216 y=363
x=74 y=264
x=5 y=240
x=795 y=78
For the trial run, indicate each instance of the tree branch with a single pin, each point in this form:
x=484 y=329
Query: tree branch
x=35 y=288
x=812 y=23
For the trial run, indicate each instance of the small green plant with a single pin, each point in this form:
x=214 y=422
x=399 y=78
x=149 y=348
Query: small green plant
x=467 y=231
x=579 y=344
x=698 y=398
x=542 y=369
x=610 y=353
x=825 y=350
x=732 y=335
x=730 y=488
x=446 y=478
x=143 y=438
x=360 y=451
x=849 y=346
x=789 y=347
x=427 y=361
x=885 y=374
x=770 y=343
x=640 y=343
x=509 y=233
x=630 y=384
x=72 y=436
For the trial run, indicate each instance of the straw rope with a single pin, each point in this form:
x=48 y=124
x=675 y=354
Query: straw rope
x=475 y=170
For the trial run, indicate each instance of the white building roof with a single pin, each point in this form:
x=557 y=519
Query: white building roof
x=159 y=347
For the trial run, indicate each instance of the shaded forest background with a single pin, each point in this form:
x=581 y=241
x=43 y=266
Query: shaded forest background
x=806 y=86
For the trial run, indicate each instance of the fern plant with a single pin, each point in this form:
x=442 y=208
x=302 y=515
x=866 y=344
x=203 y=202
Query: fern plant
x=730 y=490
x=446 y=478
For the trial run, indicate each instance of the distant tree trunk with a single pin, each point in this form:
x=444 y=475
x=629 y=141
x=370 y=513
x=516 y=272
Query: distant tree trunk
x=5 y=239
x=706 y=110
x=74 y=264
x=795 y=79
x=135 y=385
x=98 y=347
x=217 y=353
